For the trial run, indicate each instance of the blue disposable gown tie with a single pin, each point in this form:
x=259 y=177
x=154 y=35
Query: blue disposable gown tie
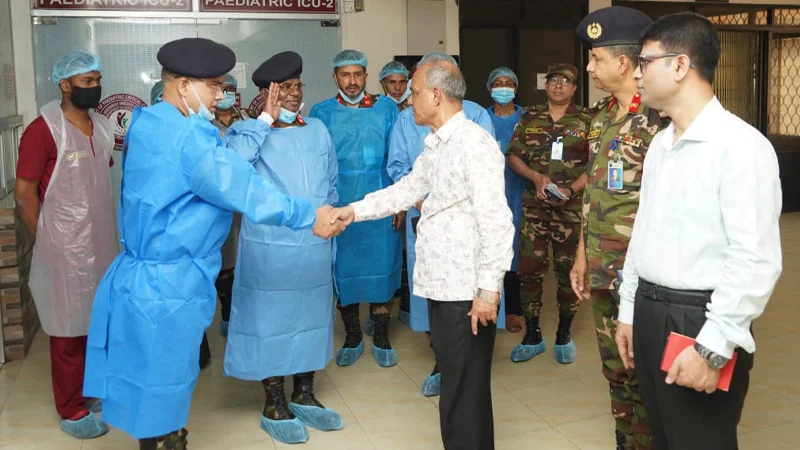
x=368 y=254
x=157 y=298
x=282 y=312
x=408 y=142
x=515 y=185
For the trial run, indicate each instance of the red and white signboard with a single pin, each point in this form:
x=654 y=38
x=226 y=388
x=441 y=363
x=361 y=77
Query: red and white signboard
x=118 y=109
x=115 y=5
x=271 y=6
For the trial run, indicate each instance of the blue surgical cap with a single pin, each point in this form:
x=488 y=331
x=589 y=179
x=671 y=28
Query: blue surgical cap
x=501 y=72
x=393 y=68
x=155 y=93
x=230 y=79
x=75 y=63
x=349 y=58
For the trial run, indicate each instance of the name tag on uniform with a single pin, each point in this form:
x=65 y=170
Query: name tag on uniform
x=72 y=156
x=615 y=175
x=534 y=130
x=557 y=150
x=594 y=134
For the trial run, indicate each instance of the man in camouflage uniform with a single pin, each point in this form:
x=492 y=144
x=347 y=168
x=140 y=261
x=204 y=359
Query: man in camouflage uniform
x=619 y=135
x=549 y=146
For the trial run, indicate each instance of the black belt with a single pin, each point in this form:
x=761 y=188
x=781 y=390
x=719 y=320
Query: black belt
x=657 y=293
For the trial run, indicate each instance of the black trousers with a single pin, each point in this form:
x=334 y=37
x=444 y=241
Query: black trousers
x=682 y=418
x=511 y=285
x=465 y=362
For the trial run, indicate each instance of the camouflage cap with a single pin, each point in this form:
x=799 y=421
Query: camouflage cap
x=568 y=70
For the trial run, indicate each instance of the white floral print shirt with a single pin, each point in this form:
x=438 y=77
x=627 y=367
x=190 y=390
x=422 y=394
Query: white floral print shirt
x=465 y=235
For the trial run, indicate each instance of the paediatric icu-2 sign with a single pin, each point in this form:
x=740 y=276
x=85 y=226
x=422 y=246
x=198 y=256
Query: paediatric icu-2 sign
x=271 y=6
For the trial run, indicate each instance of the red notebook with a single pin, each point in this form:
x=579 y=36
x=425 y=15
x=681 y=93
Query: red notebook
x=676 y=343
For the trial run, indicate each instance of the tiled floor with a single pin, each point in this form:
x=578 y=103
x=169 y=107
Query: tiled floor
x=538 y=405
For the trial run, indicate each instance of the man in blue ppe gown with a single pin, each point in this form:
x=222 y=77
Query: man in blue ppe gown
x=502 y=85
x=179 y=188
x=225 y=116
x=408 y=142
x=369 y=256
x=282 y=311
x=394 y=81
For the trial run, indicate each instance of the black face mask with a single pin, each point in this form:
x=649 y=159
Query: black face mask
x=85 y=98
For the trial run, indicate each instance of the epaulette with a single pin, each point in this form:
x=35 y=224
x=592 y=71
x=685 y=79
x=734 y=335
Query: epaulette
x=598 y=105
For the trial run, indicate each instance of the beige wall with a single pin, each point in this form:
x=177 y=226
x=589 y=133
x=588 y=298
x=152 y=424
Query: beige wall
x=380 y=32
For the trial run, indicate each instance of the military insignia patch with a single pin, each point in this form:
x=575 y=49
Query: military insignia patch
x=594 y=134
x=594 y=30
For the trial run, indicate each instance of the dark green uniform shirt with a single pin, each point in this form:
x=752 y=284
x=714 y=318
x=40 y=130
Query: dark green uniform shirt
x=532 y=142
x=608 y=214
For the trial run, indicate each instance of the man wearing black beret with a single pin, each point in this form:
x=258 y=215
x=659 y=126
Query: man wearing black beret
x=179 y=190
x=282 y=317
x=619 y=134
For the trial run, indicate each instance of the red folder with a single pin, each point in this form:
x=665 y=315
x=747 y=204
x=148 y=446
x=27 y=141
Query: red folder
x=676 y=343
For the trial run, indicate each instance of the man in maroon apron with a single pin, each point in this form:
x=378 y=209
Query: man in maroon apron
x=63 y=192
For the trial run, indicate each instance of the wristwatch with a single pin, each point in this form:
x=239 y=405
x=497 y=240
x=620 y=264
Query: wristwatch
x=714 y=360
x=487 y=297
x=571 y=191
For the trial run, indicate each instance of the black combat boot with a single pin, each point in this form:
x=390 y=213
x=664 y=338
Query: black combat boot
x=382 y=349
x=354 y=340
x=308 y=409
x=172 y=441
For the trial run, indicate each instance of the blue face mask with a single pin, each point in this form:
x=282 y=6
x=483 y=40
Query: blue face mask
x=204 y=113
x=289 y=117
x=503 y=95
x=352 y=101
x=228 y=101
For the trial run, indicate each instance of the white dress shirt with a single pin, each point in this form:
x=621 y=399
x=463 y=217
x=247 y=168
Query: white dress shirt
x=465 y=234
x=708 y=220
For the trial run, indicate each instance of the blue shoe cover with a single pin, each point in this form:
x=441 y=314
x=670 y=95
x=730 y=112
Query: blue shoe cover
x=384 y=357
x=322 y=419
x=223 y=327
x=349 y=356
x=523 y=353
x=96 y=407
x=88 y=427
x=565 y=354
x=369 y=326
x=286 y=431
x=432 y=385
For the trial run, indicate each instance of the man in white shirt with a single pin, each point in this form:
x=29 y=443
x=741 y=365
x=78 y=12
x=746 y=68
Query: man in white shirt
x=705 y=252
x=464 y=247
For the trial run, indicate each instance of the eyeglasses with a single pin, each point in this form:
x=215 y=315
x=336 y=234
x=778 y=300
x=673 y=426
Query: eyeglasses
x=644 y=60
x=215 y=87
x=555 y=79
x=288 y=87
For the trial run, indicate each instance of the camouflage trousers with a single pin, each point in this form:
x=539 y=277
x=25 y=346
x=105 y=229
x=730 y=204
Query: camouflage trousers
x=626 y=401
x=534 y=262
x=172 y=441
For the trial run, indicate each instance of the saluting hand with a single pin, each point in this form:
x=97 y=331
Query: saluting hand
x=272 y=105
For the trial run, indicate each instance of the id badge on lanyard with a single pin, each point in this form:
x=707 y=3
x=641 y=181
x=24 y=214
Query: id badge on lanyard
x=615 y=169
x=557 y=150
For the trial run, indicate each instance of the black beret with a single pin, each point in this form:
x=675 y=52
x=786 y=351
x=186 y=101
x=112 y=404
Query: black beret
x=281 y=67
x=197 y=58
x=615 y=25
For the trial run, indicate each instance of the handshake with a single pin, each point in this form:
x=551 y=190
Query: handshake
x=332 y=221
